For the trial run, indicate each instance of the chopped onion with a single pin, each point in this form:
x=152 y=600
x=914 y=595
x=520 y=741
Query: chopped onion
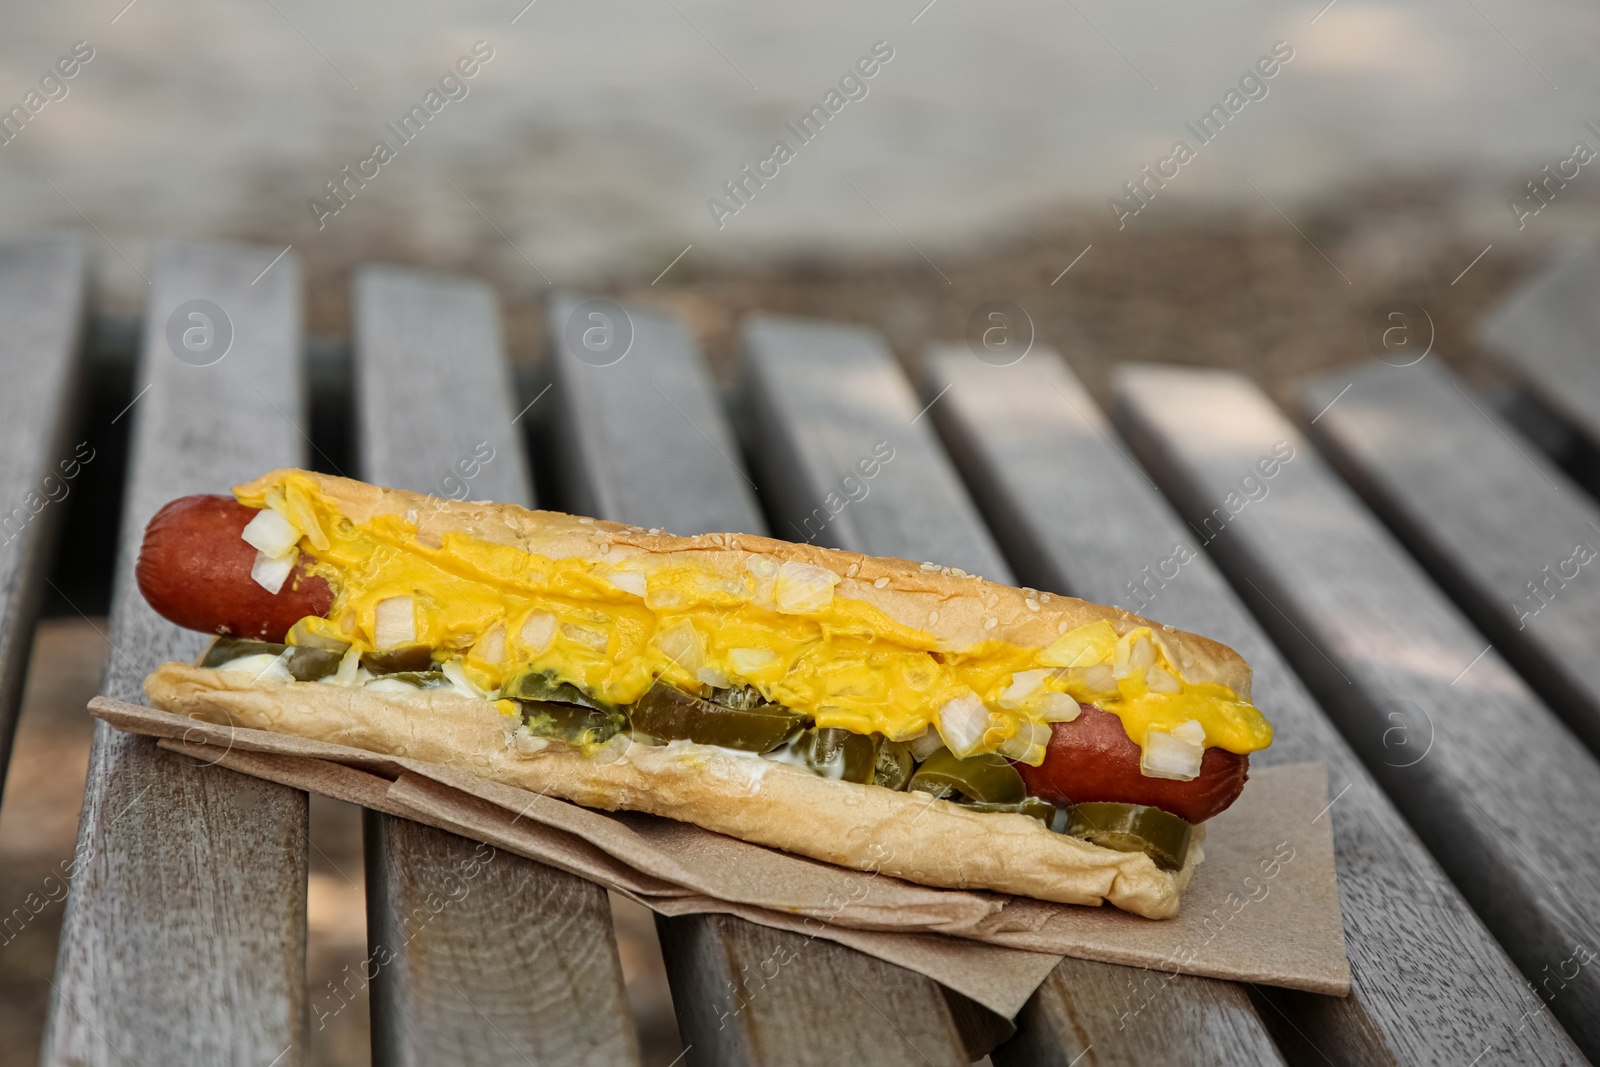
x=1097 y=679
x=538 y=631
x=458 y=678
x=748 y=661
x=1084 y=646
x=1170 y=650
x=1023 y=685
x=271 y=534
x=394 y=622
x=925 y=744
x=1160 y=681
x=962 y=723
x=713 y=677
x=761 y=566
x=681 y=643
x=1174 y=754
x=348 y=673
x=630 y=582
x=1027 y=745
x=1190 y=731
x=804 y=588
x=595 y=639
x=526 y=743
x=270 y=573
x=1135 y=652
x=491 y=647
x=1057 y=707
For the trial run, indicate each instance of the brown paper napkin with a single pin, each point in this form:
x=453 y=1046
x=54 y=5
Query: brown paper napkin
x=1263 y=907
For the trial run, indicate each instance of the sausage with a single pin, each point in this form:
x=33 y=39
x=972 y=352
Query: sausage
x=194 y=570
x=1092 y=758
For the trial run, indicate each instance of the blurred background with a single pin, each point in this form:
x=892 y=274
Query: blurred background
x=991 y=154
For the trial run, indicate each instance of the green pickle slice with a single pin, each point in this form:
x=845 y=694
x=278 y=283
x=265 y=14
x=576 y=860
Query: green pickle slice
x=739 y=697
x=572 y=723
x=302 y=636
x=1043 y=810
x=1159 y=834
x=893 y=766
x=986 y=778
x=671 y=715
x=543 y=686
x=304 y=664
x=398 y=660
x=840 y=754
x=420 y=679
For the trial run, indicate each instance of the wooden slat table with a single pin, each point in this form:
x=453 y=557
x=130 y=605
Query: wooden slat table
x=822 y=397
x=184 y=936
x=522 y=963
x=1549 y=329
x=1499 y=790
x=644 y=441
x=1079 y=516
x=43 y=288
x=1499 y=527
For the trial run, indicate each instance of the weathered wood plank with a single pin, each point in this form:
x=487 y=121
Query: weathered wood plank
x=1498 y=789
x=43 y=287
x=675 y=465
x=184 y=935
x=1429 y=983
x=1550 y=330
x=1501 y=528
x=1078 y=1017
x=520 y=961
x=748 y=994
x=824 y=395
x=643 y=435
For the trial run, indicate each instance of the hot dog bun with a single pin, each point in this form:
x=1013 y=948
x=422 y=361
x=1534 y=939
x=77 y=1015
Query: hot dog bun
x=903 y=835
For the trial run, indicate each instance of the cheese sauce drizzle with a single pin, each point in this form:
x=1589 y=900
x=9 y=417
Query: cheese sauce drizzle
x=614 y=629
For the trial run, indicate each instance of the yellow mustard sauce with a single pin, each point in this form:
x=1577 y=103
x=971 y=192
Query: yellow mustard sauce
x=841 y=660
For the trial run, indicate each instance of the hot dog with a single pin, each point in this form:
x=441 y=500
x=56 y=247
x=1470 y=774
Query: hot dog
x=194 y=570
x=624 y=668
x=1092 y=759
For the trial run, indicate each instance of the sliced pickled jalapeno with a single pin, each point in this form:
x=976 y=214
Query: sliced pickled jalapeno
x=739 y=697
x=310 y=664
x=671 y=715
x=304 y=664
x=840 y=754
x=572 y=723
x=302 y=636
x=544 y=686
x=420 y=679
x=224 y=649
x=396 y=660
x=1043 y=810
x=986 y=778
x=893 y=766
x=1159 y=834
